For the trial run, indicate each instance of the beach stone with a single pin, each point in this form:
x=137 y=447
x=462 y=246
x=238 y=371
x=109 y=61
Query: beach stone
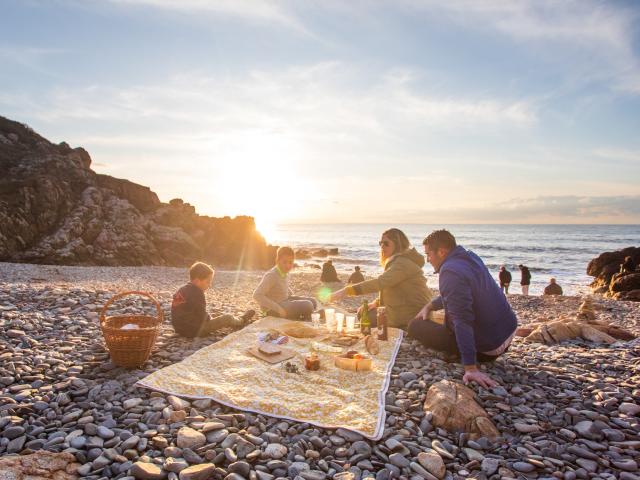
x=524 y=467
x=13 y=432
x=175 y=465
x=590 y=466
x=296 y=468
x=275 y=451
x=416 y=467
x=17 y=444
x=526 y=428
x=408 y=376
x=131 y=403
x=212 y=426
x=433 y=463
x=348 y=435
x=361 y=447
x=628 y=408
x=586 y=429
x=399 y=460
x=105 y=433
x=147 y=471
x=490 y=465
x=198 y=472
x=454 y=409
x=240 y=467
x=190 y=438
x=628 y=465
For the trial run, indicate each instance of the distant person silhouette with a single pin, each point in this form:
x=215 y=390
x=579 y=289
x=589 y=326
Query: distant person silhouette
x=505 y=279
x=553 y=288
x=525 y=279
x=329 y=273
x=356 y=276
x=628 y=266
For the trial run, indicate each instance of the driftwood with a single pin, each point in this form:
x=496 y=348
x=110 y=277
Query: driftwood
x=585 y=326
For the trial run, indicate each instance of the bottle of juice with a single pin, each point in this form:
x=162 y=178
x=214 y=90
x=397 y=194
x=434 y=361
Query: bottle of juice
x=365 y=321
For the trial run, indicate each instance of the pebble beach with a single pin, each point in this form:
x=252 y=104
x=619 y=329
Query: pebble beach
x=566 y=411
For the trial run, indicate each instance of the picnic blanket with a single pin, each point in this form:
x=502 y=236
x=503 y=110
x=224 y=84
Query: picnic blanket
x=329 y=398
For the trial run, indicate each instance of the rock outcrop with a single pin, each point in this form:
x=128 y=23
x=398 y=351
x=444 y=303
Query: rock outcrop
x=54 y=209
x=608 y=279
x=41 y=465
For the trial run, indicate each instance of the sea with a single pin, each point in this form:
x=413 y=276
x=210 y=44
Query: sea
x=560 y=251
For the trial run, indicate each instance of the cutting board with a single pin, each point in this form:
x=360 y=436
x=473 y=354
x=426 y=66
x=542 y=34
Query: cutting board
x=285 y=354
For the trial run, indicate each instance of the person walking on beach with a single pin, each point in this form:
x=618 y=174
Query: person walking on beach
x=329 y=273
x=189 y=315
x=525 y=279
x=274 y=295
x=505 y=279
x=356 y=276
x=402 y=286
x=553 y=288
x=479 y=322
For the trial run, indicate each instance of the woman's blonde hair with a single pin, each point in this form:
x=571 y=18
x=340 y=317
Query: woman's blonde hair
x=400 y=243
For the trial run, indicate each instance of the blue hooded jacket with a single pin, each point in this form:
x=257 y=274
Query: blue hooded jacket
x=476 y=310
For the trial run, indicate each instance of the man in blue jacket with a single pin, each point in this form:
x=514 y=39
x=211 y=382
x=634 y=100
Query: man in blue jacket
x=479 y=322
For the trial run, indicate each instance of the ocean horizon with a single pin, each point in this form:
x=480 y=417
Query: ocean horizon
x=549 y=250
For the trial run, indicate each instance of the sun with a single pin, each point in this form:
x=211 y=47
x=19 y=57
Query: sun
x=268 y=228
x=259 y=177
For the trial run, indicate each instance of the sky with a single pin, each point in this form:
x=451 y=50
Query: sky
x=405 y=111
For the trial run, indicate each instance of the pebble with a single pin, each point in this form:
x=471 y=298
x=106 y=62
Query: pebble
x=573 y=406
x=198 y=472
x=524 y=467
x=147 y=471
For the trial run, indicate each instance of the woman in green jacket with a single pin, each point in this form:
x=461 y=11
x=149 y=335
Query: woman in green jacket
x=402 y=287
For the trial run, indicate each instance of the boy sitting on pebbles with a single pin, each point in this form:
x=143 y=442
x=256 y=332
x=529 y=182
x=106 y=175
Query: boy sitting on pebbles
x=274 y=295
x=189 y=315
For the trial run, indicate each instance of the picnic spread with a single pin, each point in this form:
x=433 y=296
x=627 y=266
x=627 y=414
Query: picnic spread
x=233 y=372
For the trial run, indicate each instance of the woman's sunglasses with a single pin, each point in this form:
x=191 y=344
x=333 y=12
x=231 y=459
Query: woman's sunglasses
x=383 y=243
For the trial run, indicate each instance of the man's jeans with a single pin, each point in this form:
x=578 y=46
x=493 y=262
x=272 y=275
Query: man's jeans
x=298 y=308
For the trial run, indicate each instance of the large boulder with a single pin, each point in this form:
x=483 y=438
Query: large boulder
x=606 y=265
x=625 y=283
x=454 y=408
x=54 y=209
x=41 y=465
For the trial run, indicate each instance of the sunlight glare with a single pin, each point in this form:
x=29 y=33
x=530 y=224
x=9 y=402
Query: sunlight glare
x=259 y=179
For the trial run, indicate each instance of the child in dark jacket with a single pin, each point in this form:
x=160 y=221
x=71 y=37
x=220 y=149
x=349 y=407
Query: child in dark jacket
x=189 y=315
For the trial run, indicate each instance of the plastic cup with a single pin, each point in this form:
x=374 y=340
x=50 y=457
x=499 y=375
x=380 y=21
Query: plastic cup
x=351 y=323
x=339 y=322
x=330 y=317
x=315 y=320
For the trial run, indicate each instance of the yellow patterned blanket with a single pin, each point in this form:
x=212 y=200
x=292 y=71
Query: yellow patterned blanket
x=329 y=398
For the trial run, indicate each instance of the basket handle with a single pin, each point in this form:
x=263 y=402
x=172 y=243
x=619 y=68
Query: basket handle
x=124 y=294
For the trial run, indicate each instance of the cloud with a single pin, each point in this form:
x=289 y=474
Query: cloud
x=30 y=57
x=263 y=11
x=542 y=209
x=594 y=38
x=317 y=100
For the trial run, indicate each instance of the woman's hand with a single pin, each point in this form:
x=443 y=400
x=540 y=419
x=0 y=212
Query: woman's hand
x=337 y=295
x=424 y=312
x=370 y=306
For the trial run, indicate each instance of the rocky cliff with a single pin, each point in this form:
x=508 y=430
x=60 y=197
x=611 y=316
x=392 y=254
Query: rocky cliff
x=609 y=281
x=54 y=209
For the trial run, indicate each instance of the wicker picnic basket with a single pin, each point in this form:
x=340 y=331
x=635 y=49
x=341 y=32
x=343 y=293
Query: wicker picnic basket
x=130 y=348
